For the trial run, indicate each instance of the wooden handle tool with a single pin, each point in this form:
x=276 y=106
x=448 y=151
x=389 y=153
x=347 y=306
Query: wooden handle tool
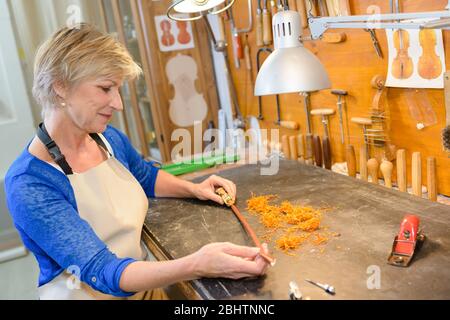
x=309 y=149
x=267 y=27
x=293 y=147
x=373 y=166
x=259 y=27
x=351 y=160
x=417 y=174
x=386 y=169
x=289 y=125
x=317 y=151
x=401 y=170
x=248 y=60
x=326 y=146
x=363 y=163
x=334 y=37
x=285 y=146
x=300 y=148
x=229 y=202
x=302 y=10
x=431 y=178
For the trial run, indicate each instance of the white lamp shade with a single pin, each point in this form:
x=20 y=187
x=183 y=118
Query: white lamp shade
x=290 y=70
x=192 y=6
x=291 y=67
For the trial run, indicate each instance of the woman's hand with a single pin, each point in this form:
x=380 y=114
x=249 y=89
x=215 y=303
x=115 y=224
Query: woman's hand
x=227 y=260
x=207 y=189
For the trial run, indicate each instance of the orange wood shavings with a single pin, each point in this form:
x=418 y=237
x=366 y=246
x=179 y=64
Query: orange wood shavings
x=296 y=223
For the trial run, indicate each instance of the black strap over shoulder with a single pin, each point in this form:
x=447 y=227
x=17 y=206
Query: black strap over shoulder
x=55 y=152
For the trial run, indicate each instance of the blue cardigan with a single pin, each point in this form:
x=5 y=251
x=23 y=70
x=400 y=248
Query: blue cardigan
x=43 y=207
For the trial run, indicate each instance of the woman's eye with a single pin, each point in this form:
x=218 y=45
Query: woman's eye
x=105 y=89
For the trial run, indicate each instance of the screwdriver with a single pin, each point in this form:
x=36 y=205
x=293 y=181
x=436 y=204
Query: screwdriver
x=326 y=287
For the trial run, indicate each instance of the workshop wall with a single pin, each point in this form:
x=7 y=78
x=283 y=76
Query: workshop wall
x=351 y=66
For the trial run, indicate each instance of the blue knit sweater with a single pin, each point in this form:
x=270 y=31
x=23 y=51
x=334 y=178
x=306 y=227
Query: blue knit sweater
x=43 y=207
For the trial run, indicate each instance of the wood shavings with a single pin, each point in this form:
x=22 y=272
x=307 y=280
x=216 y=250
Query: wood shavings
x=297 y=224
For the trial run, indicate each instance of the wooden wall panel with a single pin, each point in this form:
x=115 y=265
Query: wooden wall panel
x=162 y=90
x=351 y=66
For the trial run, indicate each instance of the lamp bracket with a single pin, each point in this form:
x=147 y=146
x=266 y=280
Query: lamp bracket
x=318 y=25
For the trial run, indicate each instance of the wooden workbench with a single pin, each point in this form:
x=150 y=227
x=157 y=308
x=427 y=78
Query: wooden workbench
x=366 y=216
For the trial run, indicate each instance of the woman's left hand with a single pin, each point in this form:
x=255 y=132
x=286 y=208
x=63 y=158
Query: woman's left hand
x=207 y=189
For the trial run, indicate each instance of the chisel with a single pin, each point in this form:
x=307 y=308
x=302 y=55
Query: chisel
x=431 y=178
x=317 y=151
x=351 y=160
x=416 y=174
x=259 y=25
x=401 y=170
x=300 y=148
x=267 y=25
x=308 y=136
x=293 y=144
x=285 y=146
x=363 y=163
x=373 y=166
x=325 y=113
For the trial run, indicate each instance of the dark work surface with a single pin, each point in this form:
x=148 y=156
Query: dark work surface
x=366 y=216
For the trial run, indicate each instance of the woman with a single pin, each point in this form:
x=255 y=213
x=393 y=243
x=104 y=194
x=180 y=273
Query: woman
x=79 y=199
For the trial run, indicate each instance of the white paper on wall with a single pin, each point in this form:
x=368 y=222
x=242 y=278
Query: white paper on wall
x=173 y=35
x=416 y=58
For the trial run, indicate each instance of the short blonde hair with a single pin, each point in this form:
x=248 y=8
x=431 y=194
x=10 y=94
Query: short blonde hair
x=76 y=54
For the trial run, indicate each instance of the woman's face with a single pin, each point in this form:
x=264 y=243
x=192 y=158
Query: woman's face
x=91 y=104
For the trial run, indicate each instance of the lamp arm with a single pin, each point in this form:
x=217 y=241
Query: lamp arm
x=319 y=25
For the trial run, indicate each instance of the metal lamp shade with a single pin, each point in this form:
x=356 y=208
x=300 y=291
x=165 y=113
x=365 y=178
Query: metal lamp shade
x=291 y=70
x=291 y=67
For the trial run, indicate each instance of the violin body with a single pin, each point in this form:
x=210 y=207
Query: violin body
x=183 y=37
x=188 y=106
x=430 y=66
x=402 y=67
x=167 y=38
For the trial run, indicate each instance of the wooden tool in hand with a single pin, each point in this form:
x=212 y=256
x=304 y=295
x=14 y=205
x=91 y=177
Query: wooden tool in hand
x=229 y=202
x=324 y=113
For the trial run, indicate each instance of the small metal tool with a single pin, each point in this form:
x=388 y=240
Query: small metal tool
x=294 y=291
x=326 y=287
x=375 y=42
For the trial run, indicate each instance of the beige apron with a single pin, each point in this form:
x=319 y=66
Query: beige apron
x=114 y=204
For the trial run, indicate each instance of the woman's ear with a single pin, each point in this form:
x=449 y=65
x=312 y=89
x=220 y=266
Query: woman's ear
x=60 y=89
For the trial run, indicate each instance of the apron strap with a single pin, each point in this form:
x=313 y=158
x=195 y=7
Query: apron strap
x=55 y=152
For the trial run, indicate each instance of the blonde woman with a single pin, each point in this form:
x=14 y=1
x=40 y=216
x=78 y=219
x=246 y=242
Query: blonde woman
x=78 y=193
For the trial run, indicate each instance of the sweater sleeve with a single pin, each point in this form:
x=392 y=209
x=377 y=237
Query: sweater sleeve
x=46 y=217
x=145 y=172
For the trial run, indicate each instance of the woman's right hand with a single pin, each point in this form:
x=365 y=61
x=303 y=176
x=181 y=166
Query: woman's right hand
x=227 y=260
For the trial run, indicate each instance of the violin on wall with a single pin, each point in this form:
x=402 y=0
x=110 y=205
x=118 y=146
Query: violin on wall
x=183 y=36
x=188 y=106
x=430 y=66
x=167 y=38
x=402 y=66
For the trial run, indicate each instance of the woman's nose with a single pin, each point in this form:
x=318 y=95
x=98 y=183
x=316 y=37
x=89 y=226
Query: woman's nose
x=117 y=103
